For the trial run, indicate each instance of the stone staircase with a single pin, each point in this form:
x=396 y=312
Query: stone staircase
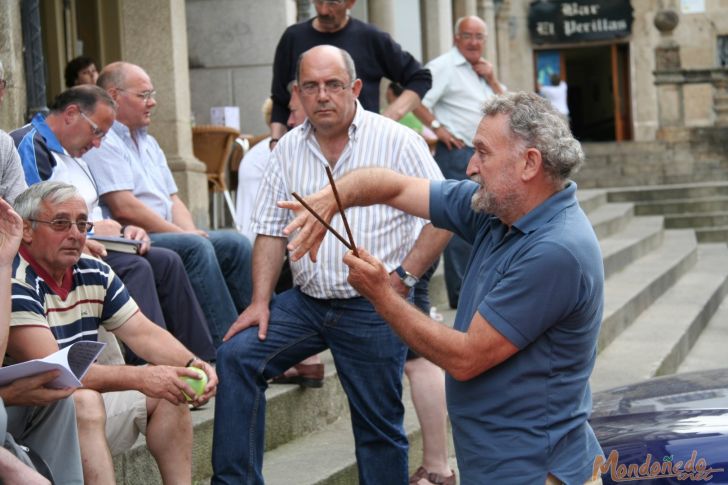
x=664 y=313
x=700 y=206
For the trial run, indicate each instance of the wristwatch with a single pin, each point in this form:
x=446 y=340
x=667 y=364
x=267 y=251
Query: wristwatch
x=435 y=124
x=408 y=279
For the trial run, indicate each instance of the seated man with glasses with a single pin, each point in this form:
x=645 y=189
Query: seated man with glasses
x=136 y=187
x=60 y=296
x=50 y=149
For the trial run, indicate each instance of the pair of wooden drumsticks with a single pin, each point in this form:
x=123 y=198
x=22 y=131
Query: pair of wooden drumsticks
x=350 y=243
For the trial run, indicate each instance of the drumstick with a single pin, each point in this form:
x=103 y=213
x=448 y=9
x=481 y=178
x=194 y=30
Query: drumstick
x=341 y=211
x=321 y=220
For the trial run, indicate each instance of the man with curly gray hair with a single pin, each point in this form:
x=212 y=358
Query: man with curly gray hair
x=524 y=341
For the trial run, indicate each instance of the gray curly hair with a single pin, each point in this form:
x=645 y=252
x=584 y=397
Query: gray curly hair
x=535 y=123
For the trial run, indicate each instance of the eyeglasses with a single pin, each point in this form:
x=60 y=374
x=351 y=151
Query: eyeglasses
x=144 y=95
x=469 y=36
x=98 y=132
x=3 y=83
x=330 y=2
x=330 y=87
x=62 y=225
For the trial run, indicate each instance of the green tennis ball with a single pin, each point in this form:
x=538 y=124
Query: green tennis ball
x=197 y=384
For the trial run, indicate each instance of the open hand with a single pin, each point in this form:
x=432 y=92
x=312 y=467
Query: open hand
x=32 y=391
x=11 y=232
x=311 y=232
x=256 y=314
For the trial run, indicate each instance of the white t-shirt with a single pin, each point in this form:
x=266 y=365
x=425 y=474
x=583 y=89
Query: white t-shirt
x=557 y=96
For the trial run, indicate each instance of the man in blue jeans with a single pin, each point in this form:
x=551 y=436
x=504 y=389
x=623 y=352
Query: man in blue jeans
x=136 y=187
x=322 y=310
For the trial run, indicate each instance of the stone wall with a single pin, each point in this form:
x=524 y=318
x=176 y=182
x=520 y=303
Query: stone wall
x=231 y=44
x=12 y=111
x=696 y=34
x=697 y=155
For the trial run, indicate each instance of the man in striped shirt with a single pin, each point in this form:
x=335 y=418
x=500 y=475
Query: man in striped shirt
x=61 y=296
x=323 y=310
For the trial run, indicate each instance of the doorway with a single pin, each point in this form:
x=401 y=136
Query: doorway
x=598 y=89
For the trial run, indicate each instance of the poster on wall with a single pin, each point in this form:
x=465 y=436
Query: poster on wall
x=560 y=22
x=692 y=6
x=548 y=63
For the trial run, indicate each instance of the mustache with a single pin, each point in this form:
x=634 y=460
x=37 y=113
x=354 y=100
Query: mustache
x=477 y=179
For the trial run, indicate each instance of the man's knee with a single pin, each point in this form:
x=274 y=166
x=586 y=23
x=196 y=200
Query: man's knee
x=90 y=410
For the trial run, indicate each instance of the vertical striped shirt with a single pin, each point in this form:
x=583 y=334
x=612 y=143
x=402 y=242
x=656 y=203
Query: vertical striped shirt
x=297 y=164
x=91 y=295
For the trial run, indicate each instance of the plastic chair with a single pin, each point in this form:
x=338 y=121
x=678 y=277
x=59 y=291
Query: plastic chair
x=213 y=145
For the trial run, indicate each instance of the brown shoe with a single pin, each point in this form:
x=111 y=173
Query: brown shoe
x=306 y=375
x=434 y=478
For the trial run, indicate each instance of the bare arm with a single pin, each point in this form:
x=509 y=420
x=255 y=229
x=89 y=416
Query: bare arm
x=277 y=130
x=268 y=256
x=462 y=355
x=15 y=472
x=27 y=343
x=159 y=347
x=486 y=70
x=11 y=231
x=127 y=209
x=362 y=187
x=405 y=102
x=181 y=215
x=426 y=250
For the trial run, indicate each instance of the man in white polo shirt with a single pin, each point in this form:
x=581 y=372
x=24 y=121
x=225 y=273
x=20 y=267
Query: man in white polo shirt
x=462 y=81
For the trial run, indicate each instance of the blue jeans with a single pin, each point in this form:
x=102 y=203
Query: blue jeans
x=219 y=269
x=369 y=359
x=453 y=164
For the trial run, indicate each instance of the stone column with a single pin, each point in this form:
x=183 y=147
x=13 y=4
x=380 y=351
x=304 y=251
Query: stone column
x=461 y=8
x=486 y=11
x=381 y=14
x=720 y=102
x=158 y=43
x=11 y=55
x=437 y=23
x=671 y=112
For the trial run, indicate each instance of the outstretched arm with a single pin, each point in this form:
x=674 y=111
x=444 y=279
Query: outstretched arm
x=463 y=355
x=363 y=187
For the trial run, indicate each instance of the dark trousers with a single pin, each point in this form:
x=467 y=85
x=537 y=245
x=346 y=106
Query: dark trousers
x=159 y=284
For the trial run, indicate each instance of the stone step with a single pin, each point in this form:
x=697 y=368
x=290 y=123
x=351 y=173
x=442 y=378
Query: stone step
x=630 y=291
x=668 y=192
x=590 y=199
x=705 y=220
x=717 y=234
x=326 y=457
x=709 y=349
x=682 y=206
x=658 y=341
x=638 y=237
x=609 y=219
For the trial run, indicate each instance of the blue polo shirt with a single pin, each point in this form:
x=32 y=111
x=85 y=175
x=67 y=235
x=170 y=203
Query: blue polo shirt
x=541 y=285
